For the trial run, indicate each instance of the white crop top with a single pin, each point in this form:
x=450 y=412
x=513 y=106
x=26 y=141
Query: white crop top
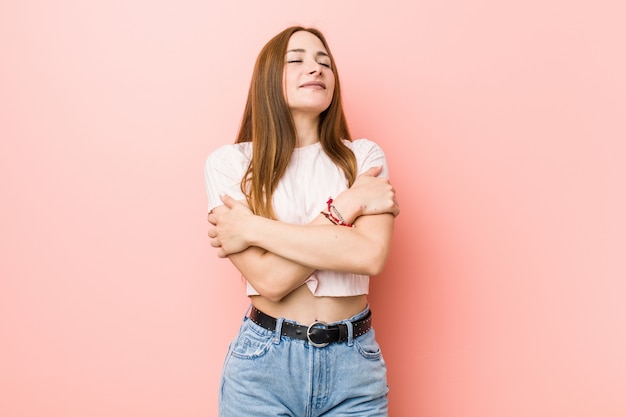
x=310 y=178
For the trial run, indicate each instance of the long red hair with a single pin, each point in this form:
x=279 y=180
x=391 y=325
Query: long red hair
x=268 y=124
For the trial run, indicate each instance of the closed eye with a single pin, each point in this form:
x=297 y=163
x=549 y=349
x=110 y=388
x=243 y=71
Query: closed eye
x=295 y=61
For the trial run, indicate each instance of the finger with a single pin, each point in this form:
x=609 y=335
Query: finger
x=373 y=171
x=227 y=200
x=396 y=209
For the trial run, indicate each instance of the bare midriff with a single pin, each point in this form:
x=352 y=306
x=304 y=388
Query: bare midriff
x=305 y=308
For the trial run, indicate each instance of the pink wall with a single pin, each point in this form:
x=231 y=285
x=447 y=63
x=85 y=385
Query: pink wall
x=504 y=125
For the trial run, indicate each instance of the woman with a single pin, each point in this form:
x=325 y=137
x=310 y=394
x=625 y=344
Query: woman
x=306 y=347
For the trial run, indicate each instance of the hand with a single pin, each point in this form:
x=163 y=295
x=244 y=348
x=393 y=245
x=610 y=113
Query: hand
x=212 y=219
x=373 y=195
x=229 y=224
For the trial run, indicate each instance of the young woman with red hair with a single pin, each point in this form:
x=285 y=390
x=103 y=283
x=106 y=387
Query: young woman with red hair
x=306 y=214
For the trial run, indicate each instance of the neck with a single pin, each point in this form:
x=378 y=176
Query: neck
x=306 y=129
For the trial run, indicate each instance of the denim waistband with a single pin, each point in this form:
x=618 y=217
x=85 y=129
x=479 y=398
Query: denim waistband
x=356 y=317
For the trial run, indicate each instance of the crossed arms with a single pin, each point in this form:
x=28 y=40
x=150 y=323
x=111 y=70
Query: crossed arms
x=277 y=257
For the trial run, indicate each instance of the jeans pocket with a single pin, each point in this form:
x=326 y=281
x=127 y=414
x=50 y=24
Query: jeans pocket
x=367 y=346
x=252 y=344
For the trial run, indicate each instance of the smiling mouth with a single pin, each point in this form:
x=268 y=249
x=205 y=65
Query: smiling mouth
x=314 y=84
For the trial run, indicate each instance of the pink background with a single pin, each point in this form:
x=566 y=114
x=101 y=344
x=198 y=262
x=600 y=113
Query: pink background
x=504 y=125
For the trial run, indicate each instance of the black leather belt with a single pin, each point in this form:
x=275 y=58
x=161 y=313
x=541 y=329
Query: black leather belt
x=318 y=334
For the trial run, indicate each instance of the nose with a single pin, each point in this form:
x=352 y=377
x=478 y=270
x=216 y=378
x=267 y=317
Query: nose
x=316 y=68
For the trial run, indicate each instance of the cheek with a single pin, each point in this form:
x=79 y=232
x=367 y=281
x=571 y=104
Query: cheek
x=331 y=89
x=286 y=86
x=289 y=83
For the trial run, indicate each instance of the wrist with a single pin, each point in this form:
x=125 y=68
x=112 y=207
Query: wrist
x=349 y=208
x=253 y=230
x=333 y=215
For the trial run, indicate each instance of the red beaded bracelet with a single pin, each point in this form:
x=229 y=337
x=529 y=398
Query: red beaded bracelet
x=334 y=216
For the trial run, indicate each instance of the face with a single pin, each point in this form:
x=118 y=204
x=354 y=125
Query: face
x=308 y=79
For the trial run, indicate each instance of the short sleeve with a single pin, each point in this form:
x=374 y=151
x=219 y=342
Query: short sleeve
x=223 y=171
x=368 y=155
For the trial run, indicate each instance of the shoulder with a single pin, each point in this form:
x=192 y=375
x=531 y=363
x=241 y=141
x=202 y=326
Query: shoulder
x=362 y=147
x=234 y=153
x=241 y=150
x=368 y=154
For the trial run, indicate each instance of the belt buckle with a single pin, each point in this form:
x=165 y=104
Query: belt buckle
x=308 y=333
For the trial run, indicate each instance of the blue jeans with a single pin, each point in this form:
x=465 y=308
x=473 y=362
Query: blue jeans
x=269 y=375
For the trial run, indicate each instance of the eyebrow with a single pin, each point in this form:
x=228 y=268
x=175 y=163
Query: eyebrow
x=319 y=53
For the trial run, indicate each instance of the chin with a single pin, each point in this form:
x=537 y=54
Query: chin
x=311 y=108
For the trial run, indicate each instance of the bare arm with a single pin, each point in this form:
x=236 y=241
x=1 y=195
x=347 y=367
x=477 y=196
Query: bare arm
x=361 y=250
x=273 y=276
x=274 y=271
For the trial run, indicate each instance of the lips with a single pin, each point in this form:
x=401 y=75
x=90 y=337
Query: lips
x=314 y=84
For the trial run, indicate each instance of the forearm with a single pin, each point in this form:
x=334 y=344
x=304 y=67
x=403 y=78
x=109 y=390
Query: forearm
x=271 y=275
x=277 y=258
x=361 y=250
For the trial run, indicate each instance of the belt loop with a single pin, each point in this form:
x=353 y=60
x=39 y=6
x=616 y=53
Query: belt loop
x=348 y=324
x=278 y=331
x=245 y=315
